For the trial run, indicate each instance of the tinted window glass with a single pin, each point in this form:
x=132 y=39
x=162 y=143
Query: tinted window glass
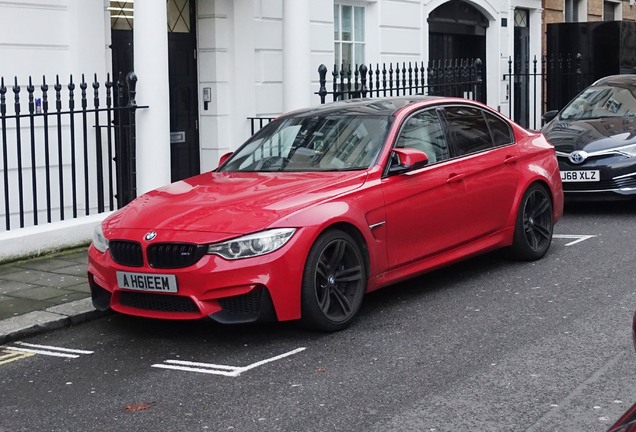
x=501 y=132
x=467 y=129
x=423 y=131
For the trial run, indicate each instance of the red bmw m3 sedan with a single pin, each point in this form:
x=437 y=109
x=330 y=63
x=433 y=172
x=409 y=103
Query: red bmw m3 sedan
x=326 y=204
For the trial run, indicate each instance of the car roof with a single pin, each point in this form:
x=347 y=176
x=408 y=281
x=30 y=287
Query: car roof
x=617 y=80
x=380 y=106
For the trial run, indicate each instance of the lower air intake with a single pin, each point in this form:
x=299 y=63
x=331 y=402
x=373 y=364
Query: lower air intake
x=158 y=302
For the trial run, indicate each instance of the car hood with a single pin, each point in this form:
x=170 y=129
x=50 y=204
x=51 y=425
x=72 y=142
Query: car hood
x=231 y=203
x=591 y=135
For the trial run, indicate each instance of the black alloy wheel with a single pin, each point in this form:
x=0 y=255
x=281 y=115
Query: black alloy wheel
x=334 y=282
x=535 y=226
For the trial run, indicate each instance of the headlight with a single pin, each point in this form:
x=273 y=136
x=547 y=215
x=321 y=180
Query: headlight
x=253 y=244
x=99 y=241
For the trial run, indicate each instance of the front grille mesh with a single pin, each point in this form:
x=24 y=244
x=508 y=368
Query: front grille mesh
x=174 y=255
x=157 y=302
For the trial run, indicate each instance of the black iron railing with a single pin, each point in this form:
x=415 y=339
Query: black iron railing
x=257 y=123
x=460 y=78
x=60 y=160
x=561 y=77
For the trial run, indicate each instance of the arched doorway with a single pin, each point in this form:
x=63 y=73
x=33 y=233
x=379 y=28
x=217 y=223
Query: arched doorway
x=457 y=30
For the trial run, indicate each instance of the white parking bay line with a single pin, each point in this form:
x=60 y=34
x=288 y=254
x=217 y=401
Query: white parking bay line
x=48 y=350
x=578 y=238
x=205 y=368
x=75 y=351
x=224 y=370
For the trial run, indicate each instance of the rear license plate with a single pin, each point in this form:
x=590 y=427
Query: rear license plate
x=147 y=282
x=581 y=176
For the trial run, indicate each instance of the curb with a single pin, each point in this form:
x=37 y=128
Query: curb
x=34 y=323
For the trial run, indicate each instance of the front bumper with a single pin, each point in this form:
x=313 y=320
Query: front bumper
x=617 y=179
x=248 y=290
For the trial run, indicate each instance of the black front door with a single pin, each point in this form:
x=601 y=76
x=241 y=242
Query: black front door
x=446 y=46
x=184 y=117
x=184 y=133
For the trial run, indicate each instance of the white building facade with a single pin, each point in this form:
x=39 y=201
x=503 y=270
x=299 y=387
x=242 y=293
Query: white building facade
x=249 y=58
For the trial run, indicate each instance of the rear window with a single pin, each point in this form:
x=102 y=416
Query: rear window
x=501 y=132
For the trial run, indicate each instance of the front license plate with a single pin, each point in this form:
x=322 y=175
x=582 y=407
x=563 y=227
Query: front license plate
x=147 y=282
x=581 y=176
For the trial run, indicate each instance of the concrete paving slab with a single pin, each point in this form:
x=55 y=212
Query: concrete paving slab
x=11 y=307
x=46 y=265
x=43 y=294
x=66 y=298
x=8 y=287
x=55 y=280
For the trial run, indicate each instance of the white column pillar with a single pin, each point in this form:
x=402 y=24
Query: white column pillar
x=296 y=55
x=536 y=32
x=151 y=66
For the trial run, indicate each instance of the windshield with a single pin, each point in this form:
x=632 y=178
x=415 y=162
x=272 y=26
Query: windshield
x=334 y=142
x=601 y=101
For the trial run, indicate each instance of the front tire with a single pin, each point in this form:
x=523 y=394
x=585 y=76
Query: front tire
x=534 y=226
x=334 y=282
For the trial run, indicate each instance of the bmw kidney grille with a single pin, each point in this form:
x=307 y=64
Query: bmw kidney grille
x=160 y=255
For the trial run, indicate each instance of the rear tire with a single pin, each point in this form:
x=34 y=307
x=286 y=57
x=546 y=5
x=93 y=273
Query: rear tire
x=534 y=226
x=334 y=282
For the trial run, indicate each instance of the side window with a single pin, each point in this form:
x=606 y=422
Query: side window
x=423 y=131
x=499 y=129
x=467 y=129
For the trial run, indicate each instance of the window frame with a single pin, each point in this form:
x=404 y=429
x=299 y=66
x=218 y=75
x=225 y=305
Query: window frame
x=357 y=47
x=617 y=10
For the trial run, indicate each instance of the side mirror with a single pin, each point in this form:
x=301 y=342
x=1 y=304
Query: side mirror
x=549 y=115
x=407 y=159
x=223 y=158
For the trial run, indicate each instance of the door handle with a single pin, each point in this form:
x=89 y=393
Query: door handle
x=510 y=159
x=455 y=178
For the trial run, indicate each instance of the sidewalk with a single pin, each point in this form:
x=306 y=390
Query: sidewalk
x=44 y=293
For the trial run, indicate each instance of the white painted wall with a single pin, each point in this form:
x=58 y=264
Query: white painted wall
x=214 y=27
x=240 y=47
x=48 y=38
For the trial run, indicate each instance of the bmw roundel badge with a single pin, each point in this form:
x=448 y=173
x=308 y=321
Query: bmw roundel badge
x=150 y=236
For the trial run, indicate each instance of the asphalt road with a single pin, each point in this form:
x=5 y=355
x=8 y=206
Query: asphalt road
x=485 y=345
